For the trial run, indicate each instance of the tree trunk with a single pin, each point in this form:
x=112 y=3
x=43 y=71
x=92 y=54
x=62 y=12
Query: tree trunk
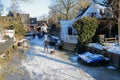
x=119 y=25
x=67 y=15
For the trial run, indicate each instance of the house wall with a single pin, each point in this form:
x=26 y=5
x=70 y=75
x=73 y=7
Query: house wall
x=66 y=37
x=39 y=23
x=64 y=27
x=90 y=10
x=25 y=19
x=69 y=46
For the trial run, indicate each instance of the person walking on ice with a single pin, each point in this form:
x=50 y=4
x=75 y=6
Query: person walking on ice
x=46 y=45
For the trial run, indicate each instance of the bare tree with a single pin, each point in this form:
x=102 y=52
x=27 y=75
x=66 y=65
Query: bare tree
x=53 y=15
x=82 y=4
x=63 y=7
x=66 y=9
x=43 y=17
x=20 y=0
x=15 y=7
x=115 y=5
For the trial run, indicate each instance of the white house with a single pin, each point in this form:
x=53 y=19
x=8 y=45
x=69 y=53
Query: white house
x=68 y=34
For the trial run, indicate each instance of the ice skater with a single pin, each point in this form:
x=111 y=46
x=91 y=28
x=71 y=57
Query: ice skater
x=46 y=45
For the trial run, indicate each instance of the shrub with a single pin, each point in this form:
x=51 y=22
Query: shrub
x=18 y=27
x=86 y=28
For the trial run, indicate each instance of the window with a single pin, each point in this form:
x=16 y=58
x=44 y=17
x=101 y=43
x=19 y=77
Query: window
x=69 y=30
x=91 y=14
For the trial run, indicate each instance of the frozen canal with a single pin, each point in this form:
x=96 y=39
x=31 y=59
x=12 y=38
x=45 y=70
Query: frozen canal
x=40 y=65
x=44 y=66
x=61 y=66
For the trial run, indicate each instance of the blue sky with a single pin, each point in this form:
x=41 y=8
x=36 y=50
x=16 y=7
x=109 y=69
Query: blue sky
x=35 y=7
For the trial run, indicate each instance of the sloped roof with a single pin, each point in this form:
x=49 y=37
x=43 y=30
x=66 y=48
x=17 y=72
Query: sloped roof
x=82 y=12
x=94 y=3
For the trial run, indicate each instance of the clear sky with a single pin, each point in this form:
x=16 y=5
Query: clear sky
x=34 y=7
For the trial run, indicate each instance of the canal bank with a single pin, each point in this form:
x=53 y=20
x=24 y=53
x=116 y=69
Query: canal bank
x=10 y=59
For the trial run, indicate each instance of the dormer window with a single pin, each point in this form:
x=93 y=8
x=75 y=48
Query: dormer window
x=91 y=14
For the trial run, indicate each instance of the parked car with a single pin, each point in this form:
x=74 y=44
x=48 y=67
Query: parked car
x=53 y=40
x=93 y=59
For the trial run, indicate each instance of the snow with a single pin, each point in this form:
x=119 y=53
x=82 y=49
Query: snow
x=55 y=37
x=112 y=47
x=111 y=67
x=44 y=66
x=2 y=41
x=74 y=58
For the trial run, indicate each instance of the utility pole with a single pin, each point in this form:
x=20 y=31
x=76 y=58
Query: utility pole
x=119 y=24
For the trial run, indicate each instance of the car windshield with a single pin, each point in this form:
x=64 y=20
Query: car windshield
x=87 y=54
x=54 y=37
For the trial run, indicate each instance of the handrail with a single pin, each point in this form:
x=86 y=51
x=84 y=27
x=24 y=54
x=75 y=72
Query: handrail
x=112 y=39
x=69 y=38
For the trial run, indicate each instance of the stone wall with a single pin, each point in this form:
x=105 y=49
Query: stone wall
x=69 y=46
x=114 y=57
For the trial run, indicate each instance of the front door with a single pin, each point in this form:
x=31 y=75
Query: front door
x=69 y=30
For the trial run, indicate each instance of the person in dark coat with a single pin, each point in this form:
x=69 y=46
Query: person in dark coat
x=45 y=45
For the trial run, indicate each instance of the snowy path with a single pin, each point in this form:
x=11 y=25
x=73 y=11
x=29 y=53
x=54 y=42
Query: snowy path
x=44 y=66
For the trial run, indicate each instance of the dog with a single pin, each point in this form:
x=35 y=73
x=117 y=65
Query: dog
x=52 y=52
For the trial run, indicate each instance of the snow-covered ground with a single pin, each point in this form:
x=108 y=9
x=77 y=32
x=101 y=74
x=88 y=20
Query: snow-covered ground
x=111 y=47
x=2 y=41
x=44 y=66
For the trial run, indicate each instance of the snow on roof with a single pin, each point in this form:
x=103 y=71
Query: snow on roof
x=113 y=47
x=96 y=5
x=101 y=2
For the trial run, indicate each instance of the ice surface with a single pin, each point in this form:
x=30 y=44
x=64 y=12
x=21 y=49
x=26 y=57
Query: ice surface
x=44 y=66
